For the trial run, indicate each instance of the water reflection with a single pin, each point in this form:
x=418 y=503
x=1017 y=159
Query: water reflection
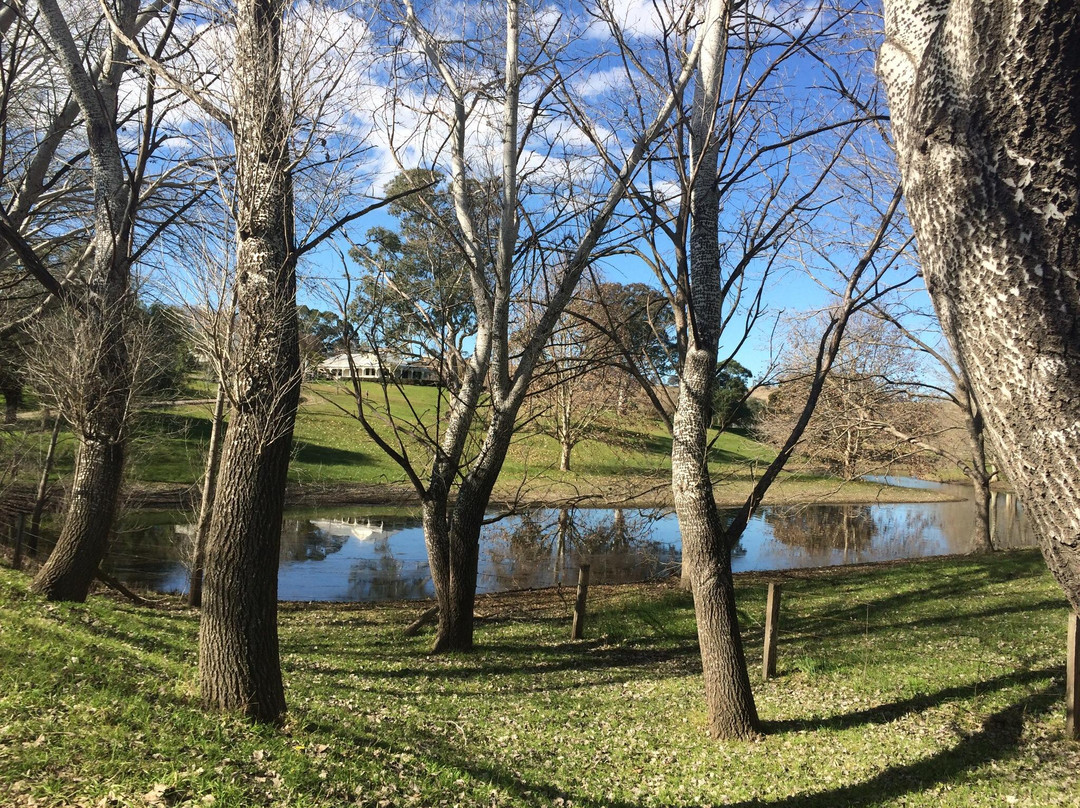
x=546 y=547
x=369 y=554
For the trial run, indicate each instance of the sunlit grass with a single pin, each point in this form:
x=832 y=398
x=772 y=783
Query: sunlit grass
x=929 y=684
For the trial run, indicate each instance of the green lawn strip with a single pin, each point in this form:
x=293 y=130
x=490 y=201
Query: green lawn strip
x=627 y=460
x=934 y=683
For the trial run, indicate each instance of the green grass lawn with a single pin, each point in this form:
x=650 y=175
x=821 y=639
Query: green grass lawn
x=931 y=684
x=330 y=445
x=627 y=460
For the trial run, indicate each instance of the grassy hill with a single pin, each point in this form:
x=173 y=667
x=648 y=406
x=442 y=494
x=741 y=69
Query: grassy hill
x=627 y=457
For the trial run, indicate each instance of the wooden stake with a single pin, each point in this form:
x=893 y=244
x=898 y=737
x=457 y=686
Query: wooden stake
x=1072 y=679
x=578 y=630
x=16 y=561
x=772 y=628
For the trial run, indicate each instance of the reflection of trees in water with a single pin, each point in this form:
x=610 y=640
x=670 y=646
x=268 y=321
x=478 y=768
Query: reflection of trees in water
x=834 y=527
x=544 y=547
x=866 y=532
x=386 y=577
x=143 y=552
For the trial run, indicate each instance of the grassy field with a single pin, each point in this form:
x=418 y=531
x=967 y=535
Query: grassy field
x=931 y=684
x=627 y=460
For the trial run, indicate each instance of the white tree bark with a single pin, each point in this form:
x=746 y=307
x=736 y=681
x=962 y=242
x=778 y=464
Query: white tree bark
x=987 y=128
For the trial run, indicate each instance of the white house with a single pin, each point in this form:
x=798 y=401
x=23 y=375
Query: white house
x=369 y=368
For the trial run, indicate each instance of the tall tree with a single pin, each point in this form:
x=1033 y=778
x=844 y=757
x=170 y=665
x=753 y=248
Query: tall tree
x=239 y=665
x=414 y=292
x=743 y=189
x=987 y=129
x=102 y=311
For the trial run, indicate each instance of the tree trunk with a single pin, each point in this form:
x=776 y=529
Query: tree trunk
x=239 y=666
x=42 y=492
x=74 y=561
x=564 y=455
x=455 y=631
x=707 y=559
x=100 y=414
x=982 y=540
x=987 y=129
x=437 y=541
x=206 y=505
x=706 y=547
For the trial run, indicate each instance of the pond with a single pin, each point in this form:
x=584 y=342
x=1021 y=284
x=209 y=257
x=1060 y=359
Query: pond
x=373 y=553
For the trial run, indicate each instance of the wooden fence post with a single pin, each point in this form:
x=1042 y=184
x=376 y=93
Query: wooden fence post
x=578 y=630
x=772 y=628
x=1072 y=679
x=16 y=560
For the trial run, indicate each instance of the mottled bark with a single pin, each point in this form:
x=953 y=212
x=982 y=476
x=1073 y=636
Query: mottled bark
x=707 y=559
x=706 y=550
x=984 y=109
x=239 y=666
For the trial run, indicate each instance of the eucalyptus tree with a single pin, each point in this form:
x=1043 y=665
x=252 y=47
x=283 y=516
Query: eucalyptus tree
x=987 y=130
x=499 y=82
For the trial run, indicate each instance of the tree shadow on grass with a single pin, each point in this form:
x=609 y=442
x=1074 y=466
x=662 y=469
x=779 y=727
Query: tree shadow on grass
x=997 y=740
x=884 y=713
x=318 y=455
x=853 y=624
x=620 y=664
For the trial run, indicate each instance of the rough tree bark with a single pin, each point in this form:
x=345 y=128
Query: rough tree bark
x=102 y=411
x=984 y=109
x=239 y=667
x=707 y=558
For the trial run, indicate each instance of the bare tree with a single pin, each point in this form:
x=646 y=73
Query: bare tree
x=103 y=307
x=869 y=414
x=984 y=115
x=573 y=383
x=507 y=74
x=972 y=457
x=744 y=178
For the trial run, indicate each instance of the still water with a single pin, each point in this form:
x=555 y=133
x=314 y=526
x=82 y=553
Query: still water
x=373 y=553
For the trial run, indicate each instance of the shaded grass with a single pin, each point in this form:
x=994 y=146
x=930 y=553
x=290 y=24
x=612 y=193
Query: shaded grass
x=935 y=683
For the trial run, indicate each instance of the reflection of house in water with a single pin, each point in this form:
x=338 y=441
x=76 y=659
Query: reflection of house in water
x=361 y=528
x=353 y=559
